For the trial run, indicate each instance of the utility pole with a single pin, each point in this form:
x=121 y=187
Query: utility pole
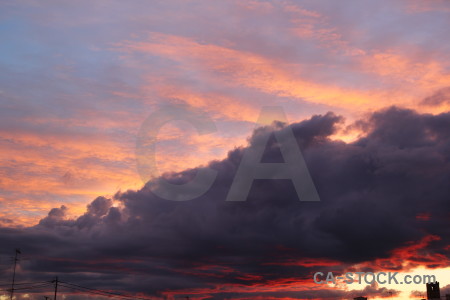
x=14 y=272
x=56 y=286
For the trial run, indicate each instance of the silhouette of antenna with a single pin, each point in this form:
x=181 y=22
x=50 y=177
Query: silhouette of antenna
x=14 y=272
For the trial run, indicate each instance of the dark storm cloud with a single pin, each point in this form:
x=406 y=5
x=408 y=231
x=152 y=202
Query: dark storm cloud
x=371 y=191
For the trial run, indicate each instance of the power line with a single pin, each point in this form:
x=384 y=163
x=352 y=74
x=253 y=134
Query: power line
x=35 y=287
x=29 y=287
x=99 y=292
x=93 y=292
x=24 y=283
x=57 y=283
x=102 y=293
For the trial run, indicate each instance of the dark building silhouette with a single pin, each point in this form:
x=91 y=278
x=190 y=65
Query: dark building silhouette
x=360 y=298
x=447 y=297
x=433 y=291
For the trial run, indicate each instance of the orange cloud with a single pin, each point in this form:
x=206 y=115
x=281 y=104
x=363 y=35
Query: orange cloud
x=409 y=257
x=228 y=66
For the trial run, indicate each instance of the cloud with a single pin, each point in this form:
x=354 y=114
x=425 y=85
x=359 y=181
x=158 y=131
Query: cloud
x=371 y=192
x=219 y=65
x=78 y=79
x=442 y=96
x=445 y=290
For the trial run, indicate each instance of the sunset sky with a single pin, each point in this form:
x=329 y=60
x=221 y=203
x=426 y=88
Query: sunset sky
x=365 y=86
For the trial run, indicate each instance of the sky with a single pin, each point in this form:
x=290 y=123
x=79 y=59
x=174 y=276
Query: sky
x=364 y=86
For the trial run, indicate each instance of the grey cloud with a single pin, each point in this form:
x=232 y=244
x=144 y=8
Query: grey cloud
x=371 y=193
